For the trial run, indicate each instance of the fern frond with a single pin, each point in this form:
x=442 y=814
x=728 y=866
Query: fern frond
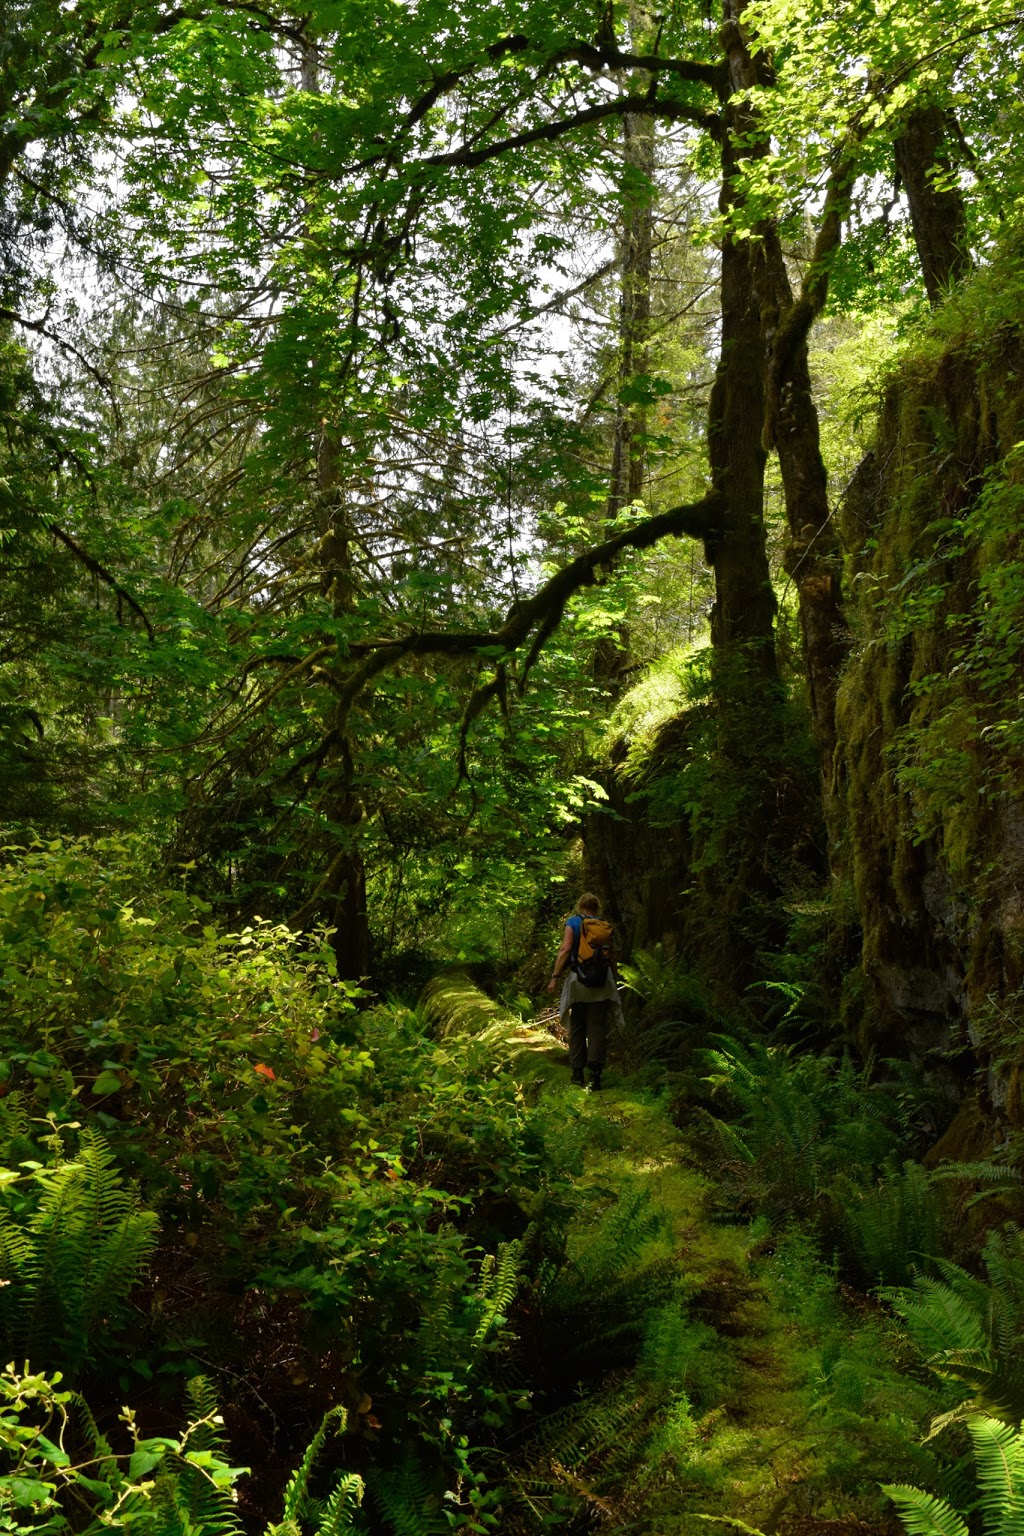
x=119 y=1261
x=981 y=1173
x=334 y=1420
x=499 y=1282
x=347 y=1497
x=938 y=1317
x=958 y=1415
x=408 y=1500
x=999 y=1454
x=923 y=1514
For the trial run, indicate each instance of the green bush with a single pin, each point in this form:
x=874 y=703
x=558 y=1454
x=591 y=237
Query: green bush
x=333 y=1187
x=970 y=1331
x=73 y=1242
x=801 y=1120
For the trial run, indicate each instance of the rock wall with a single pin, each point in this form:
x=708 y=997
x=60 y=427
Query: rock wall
x=927 y=850
x=931 y=841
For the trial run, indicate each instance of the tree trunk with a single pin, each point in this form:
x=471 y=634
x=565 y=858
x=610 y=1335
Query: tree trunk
x=733 y=917
x=936 y=210
x=629 y=455
x=340 y=896
x=813 y=559
x=629 y=459
x=743 y=617
x=342 y=890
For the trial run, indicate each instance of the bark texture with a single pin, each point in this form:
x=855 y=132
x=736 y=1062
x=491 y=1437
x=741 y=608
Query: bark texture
x=813 y=559
x=936 y=209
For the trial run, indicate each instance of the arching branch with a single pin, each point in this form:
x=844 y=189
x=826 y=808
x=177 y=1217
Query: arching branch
x=543 y=611
x=101 y=572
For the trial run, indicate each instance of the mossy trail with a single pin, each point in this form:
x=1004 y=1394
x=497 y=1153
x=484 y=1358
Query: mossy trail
x=785 y=1410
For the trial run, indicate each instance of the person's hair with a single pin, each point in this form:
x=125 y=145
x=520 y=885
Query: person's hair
x=588 y=902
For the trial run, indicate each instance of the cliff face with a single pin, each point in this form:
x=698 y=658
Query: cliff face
x=931 y=706
x=927 y=852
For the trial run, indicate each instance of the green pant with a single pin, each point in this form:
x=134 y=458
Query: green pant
x=588 y=1035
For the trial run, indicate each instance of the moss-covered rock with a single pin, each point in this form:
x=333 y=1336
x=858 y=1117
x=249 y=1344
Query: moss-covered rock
x=930 y=716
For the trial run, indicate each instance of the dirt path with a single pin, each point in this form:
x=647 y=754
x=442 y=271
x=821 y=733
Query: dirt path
x=770 y=1403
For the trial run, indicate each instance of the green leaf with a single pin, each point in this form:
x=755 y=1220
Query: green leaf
x=143 y=1461
x=923 y=1514
x=53 y=1452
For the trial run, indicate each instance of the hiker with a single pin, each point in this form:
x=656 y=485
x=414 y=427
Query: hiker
x=586 y=961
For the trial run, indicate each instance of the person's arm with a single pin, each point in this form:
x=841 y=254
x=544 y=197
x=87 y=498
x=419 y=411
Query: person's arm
x=562 y=958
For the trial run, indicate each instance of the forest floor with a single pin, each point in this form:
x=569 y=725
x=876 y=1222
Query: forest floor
x=784 y=1406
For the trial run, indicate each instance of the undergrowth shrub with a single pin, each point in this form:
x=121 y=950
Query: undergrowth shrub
x=673 y=1015
x=63 y=1474
x=969 y=1330
x=350 y=1211
x=612 y=1348
x=867 y=1411
x=815 y=1137
x=999 y=1470
x=896 y=1225
x=73 y=1243
x=800 y=1120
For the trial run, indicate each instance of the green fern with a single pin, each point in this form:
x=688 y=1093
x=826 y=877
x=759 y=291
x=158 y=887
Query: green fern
x=593 y=1307
x=999 y=1455
x=972 y=1330
x=893 y=1225
x=923 y=1514
x=69 y=1267
x=408 y=1498
x=999 y=1465
x=798 y=1121
x=674 y=1015
x=500 y=1278
x=338 y=1512
x=578 y=1452
x=333 y=1516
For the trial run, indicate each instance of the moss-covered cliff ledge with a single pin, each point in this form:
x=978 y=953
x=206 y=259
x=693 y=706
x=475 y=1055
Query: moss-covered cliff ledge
x=930 y=717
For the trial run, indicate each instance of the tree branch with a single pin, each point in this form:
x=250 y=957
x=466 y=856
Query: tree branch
x=103 y=574
x=677 y=112
x=544 y=610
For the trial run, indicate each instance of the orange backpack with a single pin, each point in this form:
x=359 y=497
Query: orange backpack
x=592 y=955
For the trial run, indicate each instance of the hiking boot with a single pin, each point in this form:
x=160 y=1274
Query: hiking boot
x=595 y=1078
x=577 y=1078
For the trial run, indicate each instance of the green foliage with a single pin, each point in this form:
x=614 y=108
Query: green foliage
x=142 y=1004
x=971 y=1331
x=73 y=1242
x=332 y=1516
x=63 y=1473
x=897 y=1224
x=596 y=1302
x=675 y=1011
x=964 y=736
x=802 y=1121
x=380 y=1196
x=999 y=1468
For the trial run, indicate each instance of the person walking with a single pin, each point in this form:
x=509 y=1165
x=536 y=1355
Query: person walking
x=585 y=966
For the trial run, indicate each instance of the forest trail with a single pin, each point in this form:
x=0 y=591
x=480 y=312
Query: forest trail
x=746 y=1430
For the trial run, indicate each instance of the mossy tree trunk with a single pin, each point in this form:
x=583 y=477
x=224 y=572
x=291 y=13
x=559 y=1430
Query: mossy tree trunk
x=341 y=894
x=924 y=165
x=629 y=434
x=813 y=559
x=736 y=884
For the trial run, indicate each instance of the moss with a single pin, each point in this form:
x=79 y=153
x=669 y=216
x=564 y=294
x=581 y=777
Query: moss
x=928 y=764
x=664 y=692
